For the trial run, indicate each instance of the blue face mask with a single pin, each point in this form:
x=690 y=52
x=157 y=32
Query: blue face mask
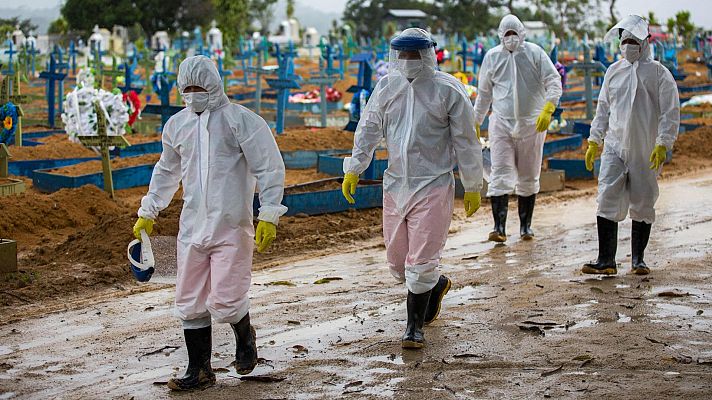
x=197 y=101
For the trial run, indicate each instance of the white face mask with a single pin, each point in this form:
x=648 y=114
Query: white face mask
x=410 y=68
x=196 y=101
x=511 y=42
x=630 y=52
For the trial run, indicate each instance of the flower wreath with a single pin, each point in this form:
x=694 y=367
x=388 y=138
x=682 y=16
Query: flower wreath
x=134 y=104
x=8 y=119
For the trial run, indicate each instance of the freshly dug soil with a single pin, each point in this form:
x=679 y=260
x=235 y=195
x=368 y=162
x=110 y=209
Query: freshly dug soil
x=297 y=176
x=90 y=167
x=702 y=108
x=314 y=139
x=51 y=151
x=698 y=121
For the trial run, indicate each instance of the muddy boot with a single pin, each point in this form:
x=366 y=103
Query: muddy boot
x=526 y=210
x=607 y=244
x=640 y=234
x=199 y=374
x=246 y=343
x=499 y=213
x=416 y=304
x=436 y=298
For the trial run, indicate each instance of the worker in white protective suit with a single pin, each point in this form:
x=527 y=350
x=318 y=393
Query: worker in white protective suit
x=219 y=151
x=637 y=117
x=518 y=79
x=428 y=123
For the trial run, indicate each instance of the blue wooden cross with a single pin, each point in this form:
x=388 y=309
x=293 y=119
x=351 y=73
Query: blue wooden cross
x=382 y=49
x=286 y=80
x=224 y=73
x=130 y=77
x=259 y=71
x=465 y=53
x=364 y=85
x=10 y=51
x=341 y=56
x=588 y=66
x=73 y=56
x=52 y=76
x=33 y=52
x=165 y=110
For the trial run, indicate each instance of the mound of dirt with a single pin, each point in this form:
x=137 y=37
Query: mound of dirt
x=315 y=139
x=90 y=167
x=297 y=176
x=51 y=151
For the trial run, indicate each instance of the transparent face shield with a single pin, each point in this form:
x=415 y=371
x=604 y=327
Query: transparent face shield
x=412 y=55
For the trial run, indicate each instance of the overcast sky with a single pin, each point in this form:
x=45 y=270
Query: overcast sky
x=701 y=9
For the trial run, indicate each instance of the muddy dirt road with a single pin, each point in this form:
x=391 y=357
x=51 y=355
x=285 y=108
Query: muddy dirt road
x=520 y=322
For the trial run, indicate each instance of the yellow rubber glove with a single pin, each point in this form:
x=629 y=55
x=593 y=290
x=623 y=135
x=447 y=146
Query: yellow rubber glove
x=142 y=224
x=472 y=202
x=477 y=130
x=542 y=123
x=264 y=235
x=657 y=157
x=591 y=154
x=348 y=188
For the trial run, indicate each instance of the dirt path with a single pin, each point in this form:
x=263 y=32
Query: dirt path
x=520 y=322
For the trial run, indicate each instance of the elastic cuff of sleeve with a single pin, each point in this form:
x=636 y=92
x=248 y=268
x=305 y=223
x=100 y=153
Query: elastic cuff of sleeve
x=146 y=214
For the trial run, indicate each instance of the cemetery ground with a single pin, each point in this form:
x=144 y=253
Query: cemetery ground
x=520 y=322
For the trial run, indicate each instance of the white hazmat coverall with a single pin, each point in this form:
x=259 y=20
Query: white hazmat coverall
x=517 y=84
x=219 y=156
x=429 y=129
x=638 y=108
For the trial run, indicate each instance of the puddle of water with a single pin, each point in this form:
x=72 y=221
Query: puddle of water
x=7 y=395
x=380 y=370
x=586 y=323
x=4 y=350
x=622 y=286
x=512 y=261
x=510 y=255
x=623 y=318
x=390 y=359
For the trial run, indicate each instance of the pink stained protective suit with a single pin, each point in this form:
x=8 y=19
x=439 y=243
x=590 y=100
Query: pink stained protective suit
x=428 y=123
x=219 y=156
x=415 y=240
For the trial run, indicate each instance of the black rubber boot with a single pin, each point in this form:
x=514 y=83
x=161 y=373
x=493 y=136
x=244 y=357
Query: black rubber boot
x=499 y=213
x=416 y=304
x=199 y=374
x=246 y=346
x=436 y=297
x=607 y=244
x=640 y=233
x=526 y=210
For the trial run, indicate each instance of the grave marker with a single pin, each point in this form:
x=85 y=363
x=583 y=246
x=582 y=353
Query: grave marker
x=103 y=141
x=52 y=76
x=285 y=81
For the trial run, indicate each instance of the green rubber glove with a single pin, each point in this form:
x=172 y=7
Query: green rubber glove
x=264 y=235
x=477 y=130
x=472 y=202
x=348 y=188
x=542 y=123
x=142 y=224
x=657 y=157
x=591 y=155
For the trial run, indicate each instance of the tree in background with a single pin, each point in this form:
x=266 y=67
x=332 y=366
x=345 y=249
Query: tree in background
x=263 y=11
x=152 y=15
x=58 y=27
x=685 y=27
x=651 y=18
x=290 y=9
x=233 y=18
x=8 y=25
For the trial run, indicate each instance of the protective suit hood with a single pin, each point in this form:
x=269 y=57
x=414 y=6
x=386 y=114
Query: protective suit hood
x=200 y=71
x=511 y=23
x=635 y=25
x=411 y=40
